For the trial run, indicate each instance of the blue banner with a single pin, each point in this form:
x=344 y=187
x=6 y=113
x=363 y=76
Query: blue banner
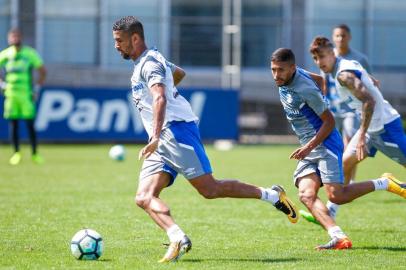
x=86 y=115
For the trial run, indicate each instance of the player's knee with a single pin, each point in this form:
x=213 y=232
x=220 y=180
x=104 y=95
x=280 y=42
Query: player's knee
x=209 y=193
x=307 y=197
x=142 y=200
x=337 y=197
x=349 y=162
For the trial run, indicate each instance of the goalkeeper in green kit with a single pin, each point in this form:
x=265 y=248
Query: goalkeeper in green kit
x=20 y=92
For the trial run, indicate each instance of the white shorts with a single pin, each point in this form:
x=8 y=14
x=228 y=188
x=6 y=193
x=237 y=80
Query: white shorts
x=180 y=150
x=391 y=141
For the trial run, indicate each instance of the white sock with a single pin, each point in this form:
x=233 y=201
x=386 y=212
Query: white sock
x=352 y=181
x=336 y=232
x=332 y=209
x=175 y=233
x=269 y=195
x=381 y=184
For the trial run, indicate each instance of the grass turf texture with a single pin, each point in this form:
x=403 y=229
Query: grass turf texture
x=43 y=206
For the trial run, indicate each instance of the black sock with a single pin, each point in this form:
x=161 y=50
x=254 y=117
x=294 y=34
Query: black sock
x=14 y=135
x=33 y=135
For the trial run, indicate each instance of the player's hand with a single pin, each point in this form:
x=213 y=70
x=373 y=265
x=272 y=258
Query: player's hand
x=376 y=82
x=148 y=149
x=300 y=153
x=35 y=93
x=361 y=148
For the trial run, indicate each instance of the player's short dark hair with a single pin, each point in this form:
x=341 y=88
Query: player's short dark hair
x=283 y=55
x=14 y=30
x=319 y=43
x=130 y=25
x=343 y=27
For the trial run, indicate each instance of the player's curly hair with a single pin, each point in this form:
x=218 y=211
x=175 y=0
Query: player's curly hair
x=320 y=43
x=130 y=25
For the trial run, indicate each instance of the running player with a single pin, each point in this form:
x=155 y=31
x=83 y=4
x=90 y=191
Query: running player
x=20 y=94
x=381 y=127
x=347 y=121
x=174 y=144
x=320 y=154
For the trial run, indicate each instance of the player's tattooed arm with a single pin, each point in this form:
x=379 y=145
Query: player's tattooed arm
x=358 y=89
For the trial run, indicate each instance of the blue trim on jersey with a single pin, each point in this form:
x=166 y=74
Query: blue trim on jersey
x=333 y=142
x=307 y=76
x=188 y=133
x=313 y=118
x=339 y=153
x=302 y=72
x=394 y=133
x=356 y=72
x=172 y=173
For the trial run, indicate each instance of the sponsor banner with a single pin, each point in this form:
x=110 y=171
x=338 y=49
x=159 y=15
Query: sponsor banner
x=77 y=114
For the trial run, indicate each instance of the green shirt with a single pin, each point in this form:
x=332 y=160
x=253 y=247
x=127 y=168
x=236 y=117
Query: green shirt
x=19 y=65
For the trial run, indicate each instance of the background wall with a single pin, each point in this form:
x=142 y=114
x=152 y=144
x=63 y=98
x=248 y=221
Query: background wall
x=74 y=38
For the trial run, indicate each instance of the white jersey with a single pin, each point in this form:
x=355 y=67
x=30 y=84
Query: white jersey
x=383 y=111
x=151 y=68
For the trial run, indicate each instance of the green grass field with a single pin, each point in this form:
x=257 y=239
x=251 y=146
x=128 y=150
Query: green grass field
x=41 y=207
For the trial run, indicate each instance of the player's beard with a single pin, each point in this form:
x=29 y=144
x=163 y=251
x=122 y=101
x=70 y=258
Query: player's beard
x=127 y=56
x=17 y=44
x=280 y=82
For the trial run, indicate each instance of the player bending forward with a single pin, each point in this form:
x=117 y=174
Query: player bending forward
x=381 y=127
x=174 y=142
x=320 y=154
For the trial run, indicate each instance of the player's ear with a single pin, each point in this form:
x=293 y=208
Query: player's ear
x=135 y=38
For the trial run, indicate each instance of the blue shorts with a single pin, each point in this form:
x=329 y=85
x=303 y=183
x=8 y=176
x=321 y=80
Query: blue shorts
x=180 y=150
x=391 y=141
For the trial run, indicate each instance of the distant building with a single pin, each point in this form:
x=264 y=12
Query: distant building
x=74 y=37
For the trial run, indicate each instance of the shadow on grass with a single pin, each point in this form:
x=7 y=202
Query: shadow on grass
x=266 y=260
x=396 y=249
x=391 y=201
x=104 y=260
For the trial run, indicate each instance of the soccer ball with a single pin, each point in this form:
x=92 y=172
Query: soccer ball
x=117 y=152
x=86 y=244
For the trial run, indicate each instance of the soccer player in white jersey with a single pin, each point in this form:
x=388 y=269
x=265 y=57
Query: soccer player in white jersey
x=381 y=128
x=174 y=144
x=320 y=153
x=347 y=121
